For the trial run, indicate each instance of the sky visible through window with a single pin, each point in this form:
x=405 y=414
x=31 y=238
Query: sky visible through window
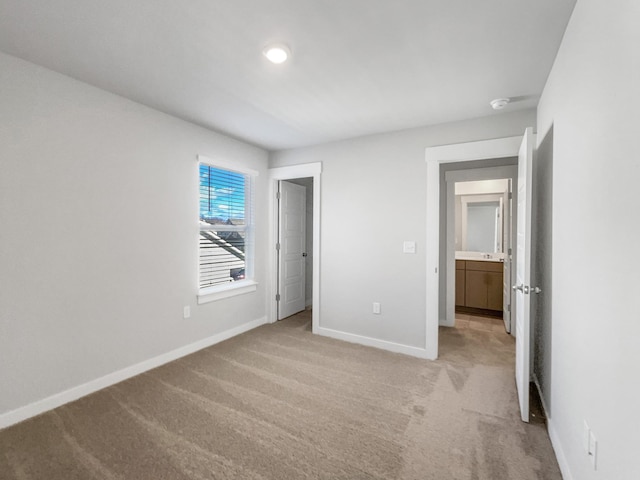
x=222 y=196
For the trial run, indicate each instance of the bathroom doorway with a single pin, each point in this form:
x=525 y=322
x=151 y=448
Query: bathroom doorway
x=478 y=238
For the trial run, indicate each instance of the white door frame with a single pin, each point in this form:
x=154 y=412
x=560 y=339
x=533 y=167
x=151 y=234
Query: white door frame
x=307 y=170
x=435 y=156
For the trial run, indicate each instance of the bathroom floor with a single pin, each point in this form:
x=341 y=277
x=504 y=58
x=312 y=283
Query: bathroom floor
x=477 y=322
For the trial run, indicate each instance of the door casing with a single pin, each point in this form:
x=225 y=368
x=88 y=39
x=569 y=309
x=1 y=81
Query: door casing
x=313 y=170
x=436 y=156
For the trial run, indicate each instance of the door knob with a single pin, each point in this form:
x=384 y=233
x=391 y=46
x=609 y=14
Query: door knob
x=304 y=254
x=526 y=289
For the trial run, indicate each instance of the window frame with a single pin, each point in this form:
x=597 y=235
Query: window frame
x=248 y=284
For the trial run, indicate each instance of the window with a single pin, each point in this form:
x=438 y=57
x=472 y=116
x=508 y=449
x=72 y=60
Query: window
x=225 y=248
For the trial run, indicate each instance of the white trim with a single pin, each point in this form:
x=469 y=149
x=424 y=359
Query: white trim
x=296 y=171
x=553 y=434
x=435 y=156
x=231 y=289
x=227 y=165
x=374 y=342
x=306 y=170
x=557 y=448
x=23 y=413
x=463 y=152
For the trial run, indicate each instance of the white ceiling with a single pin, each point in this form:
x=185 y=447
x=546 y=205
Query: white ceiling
x=359 y=66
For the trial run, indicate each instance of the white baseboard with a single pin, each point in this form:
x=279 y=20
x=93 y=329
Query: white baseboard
x=36 y=408
x=443 y=322
x=374 y=342
x=553 y=435
x=557 y=447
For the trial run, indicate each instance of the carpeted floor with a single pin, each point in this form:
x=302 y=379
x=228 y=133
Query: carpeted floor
x=280 y=403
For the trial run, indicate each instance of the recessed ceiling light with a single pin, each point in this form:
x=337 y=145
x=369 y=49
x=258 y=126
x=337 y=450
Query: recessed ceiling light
x=277 y=53
x=499 y=103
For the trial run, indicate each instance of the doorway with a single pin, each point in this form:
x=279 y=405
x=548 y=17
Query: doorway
x=435 y=157
x=309 y=175
x=295 y=246
x=478 y=239
x=522 y=147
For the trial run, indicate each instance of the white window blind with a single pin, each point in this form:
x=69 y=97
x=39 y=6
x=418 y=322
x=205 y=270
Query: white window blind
x=225 y=226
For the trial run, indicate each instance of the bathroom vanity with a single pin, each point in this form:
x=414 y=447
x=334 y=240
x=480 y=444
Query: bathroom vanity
x=479 y=284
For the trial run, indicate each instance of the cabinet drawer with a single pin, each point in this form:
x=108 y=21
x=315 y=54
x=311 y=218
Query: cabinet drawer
x=485 y=266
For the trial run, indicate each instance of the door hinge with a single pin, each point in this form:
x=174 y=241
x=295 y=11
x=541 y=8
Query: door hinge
x=509 y=251
x=277 y=297
x=509 y=308
x=278 y=246
x=277 y=195
x=510 y=196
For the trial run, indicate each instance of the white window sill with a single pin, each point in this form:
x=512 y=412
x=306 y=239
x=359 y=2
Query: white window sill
x=213 y=294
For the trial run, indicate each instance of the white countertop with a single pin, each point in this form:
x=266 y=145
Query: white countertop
x=479 y=257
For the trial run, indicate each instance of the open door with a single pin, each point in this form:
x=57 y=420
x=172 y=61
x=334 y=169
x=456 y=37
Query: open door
x=292 y=244
x=523 y=272
x=508 y=258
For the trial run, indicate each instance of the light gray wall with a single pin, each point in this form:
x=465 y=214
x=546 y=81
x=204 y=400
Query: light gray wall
x=374 y=198
x=592 y=101
x=99 y=233
x=458 y=222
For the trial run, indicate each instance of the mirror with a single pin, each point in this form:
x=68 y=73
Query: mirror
x=480 y=216
x=483 y=226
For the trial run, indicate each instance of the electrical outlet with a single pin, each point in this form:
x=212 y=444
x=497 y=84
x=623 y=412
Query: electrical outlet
x=376 y=308
x=186 y=313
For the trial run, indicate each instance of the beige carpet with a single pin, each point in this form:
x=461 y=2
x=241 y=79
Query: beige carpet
x=280 y=403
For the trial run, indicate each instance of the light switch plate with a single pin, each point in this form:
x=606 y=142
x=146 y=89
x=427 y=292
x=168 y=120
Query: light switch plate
x=409 y=246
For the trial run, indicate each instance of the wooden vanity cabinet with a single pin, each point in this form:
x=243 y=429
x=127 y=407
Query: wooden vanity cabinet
x=460 y=283
x=482 y=284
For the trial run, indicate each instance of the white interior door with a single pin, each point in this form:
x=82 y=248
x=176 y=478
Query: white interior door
x=292 y=240
x=506 y=244
x=522 y=285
